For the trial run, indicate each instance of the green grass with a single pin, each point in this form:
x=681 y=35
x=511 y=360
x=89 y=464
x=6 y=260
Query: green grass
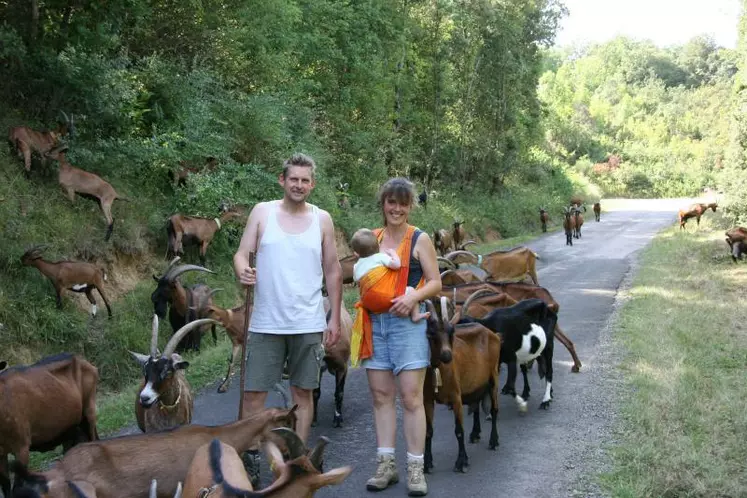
x=684 y=328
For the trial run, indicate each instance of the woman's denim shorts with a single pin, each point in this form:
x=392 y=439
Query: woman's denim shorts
x=398 y=343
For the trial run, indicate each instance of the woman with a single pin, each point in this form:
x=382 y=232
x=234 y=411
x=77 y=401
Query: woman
x=400 y=347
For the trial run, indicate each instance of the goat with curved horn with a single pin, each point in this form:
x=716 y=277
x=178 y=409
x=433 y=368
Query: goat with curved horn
x=447 y=262
x=179 y=335
x=475 y=295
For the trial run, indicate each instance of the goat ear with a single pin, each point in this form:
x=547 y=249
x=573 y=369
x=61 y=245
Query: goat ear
x=178 y=362
x=331 y=478
x=140 y=358
x=156 y=278
x=3 y=365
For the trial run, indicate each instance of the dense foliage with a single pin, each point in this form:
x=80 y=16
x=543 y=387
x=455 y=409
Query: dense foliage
x=640 y=120
x=443 y=91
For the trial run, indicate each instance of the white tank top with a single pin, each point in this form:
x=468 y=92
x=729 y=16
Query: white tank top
x=288 y=292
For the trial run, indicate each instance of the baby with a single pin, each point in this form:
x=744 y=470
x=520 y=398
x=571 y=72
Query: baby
x=366 y=247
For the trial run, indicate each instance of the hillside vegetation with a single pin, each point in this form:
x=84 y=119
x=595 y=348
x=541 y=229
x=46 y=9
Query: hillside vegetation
x=371 y=90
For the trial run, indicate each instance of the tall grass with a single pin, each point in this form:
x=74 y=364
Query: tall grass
x=683 y=421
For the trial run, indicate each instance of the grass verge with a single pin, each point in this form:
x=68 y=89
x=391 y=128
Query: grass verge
x=683 y=423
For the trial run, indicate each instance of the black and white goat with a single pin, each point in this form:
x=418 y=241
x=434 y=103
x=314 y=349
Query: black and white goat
x=527 y=330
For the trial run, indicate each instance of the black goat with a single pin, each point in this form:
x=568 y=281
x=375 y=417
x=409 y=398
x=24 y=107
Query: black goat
x=527 y=330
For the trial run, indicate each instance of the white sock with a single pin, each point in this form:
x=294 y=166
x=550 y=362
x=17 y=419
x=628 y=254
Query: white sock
x=415 y=458
x=385 y=451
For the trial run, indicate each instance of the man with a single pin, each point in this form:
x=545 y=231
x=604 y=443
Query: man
x=295 y=246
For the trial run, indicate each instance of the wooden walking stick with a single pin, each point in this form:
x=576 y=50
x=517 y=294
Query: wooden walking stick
x=248 y=305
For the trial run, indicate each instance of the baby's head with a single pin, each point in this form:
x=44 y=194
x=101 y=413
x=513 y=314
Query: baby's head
x=364 y=243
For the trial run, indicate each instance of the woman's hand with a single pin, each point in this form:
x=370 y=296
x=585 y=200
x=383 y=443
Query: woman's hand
x=403 y=305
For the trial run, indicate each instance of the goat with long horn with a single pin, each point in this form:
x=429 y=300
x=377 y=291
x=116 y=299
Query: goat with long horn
x=164 y=383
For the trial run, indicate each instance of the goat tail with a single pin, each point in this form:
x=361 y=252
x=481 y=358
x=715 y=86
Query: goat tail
x=120 y=198
x=537 y=256
x=106 y=278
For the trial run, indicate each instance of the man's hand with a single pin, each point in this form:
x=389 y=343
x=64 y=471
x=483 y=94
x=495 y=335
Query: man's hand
x=332 y=333
x=248 y=276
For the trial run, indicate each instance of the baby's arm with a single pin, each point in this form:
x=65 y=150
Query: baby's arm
x=394 y=263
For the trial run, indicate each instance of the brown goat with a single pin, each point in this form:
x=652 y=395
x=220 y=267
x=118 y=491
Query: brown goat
x=233 y=321
x=76 y=276
x=47 y=404
x=597 y=211
x=336 y=358
x=181 y=302
x=460 y=276
x=218 y=471
x=124 y=467
x=198 y=230
x=458 y=234
x=695 y=211
x=164 y=399
x=25 y=140
x=464 y=366
x=736 y=238
x=181 y=173
x=544 y=218
x=569 y=225
x=347 y=263
x=578 y=221
x=442 y=241
x=74 y=180
x=514 y=264
x=518 y=291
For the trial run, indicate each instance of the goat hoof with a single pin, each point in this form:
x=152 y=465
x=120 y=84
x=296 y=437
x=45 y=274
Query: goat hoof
x=222 y=388
x=575 y=368
x=337 y=422
x=474 y=438
x=544 y=405
x=493 y=444
x=507 y=390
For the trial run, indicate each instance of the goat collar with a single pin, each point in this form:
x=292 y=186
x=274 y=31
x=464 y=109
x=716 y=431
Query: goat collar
x=167 y=408
x=217 y=221
x=437 y=381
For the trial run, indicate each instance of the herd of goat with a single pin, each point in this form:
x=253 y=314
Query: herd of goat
x=486 y=314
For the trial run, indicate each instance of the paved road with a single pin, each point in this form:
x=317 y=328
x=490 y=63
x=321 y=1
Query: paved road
x=539 y=453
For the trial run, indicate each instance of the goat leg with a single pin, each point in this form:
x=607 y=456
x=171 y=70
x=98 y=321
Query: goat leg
x=227 y=381
x=525 y=392
x=91 y=299
x=474 y=436
x=565 y=341
x=58 y=290
x=4 y=476
x=547 y=398
x=340 y=376
x=462 y=460
x=316 y=395
x=106 y=301
x=493 y=442
x=428 y=405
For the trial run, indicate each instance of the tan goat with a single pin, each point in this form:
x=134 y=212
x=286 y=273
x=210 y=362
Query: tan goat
x=218 y=470
x=181 y=228
x=76 y=276
x=74 y=180
x=25 y=140
x=514 y=264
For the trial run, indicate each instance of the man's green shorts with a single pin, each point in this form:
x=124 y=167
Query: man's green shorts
x=267 y=354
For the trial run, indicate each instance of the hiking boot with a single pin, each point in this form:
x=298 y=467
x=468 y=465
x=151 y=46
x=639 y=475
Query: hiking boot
x=386 y=473
x=416 y=485
x=251 y=462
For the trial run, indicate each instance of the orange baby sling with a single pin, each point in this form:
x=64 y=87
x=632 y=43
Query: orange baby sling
x=377 y=289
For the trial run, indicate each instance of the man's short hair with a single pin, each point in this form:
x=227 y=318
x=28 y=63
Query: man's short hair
x=299 y=159
x=364 y=243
